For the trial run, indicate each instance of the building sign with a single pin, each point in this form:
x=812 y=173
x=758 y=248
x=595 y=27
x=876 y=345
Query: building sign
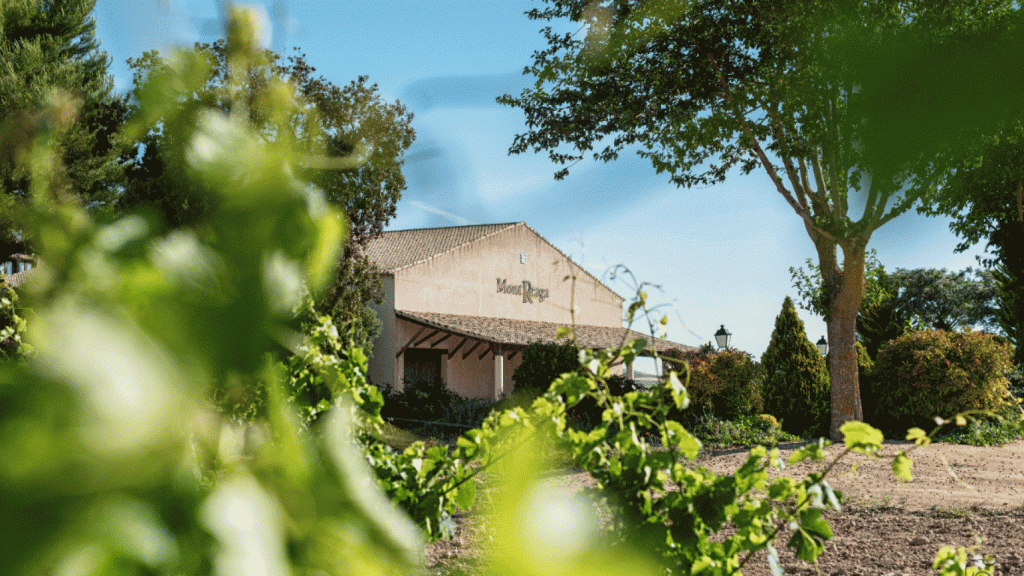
x=526 y=290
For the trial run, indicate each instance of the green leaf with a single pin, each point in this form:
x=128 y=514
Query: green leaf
x=572 y=387
x=918 y=437
x=901 y=466
x=815 y=452
x=804 y=546
x=813 y=523
x=678 y=391
x=675 y=435
x=862 y=437
x=465 y=497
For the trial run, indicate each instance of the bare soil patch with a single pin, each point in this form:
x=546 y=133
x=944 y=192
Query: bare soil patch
x=960 y=495
x=946 y=476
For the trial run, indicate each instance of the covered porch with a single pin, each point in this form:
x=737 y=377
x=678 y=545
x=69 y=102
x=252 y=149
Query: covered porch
x=476 y=355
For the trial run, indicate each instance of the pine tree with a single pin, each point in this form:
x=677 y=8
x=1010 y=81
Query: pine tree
x=796 y=386
x=48 y=45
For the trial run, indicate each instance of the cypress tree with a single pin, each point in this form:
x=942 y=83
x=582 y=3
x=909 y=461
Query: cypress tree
x=796 y=385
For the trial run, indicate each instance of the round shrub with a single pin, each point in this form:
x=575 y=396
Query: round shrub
x=542 y=363
x=929 y=373
x=769 y=420
x=727 y=383
x=796 y=383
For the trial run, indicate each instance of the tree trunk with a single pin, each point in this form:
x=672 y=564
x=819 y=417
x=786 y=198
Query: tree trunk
x=845 y=289
x=844 y=303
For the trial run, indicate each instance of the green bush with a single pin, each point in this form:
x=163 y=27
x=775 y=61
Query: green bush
x=11 y=325
x=796 y=384
x=726 y=384
x=748 y=431
x=588 y=412
x=542 y=363
x=433 y=401
x=927 y=373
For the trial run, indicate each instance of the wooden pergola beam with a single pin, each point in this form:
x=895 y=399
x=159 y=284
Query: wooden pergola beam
x=409 y=343
x=470 y=351
x=484 y=353
x=461 y=344
x=441 y=339
x=428 y=337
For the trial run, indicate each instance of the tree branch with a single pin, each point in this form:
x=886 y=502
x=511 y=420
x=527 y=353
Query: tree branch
x=819 y=176
x=759 y=151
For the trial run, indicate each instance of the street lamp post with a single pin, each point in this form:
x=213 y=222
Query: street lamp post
x=722 y=337
x=822 y=346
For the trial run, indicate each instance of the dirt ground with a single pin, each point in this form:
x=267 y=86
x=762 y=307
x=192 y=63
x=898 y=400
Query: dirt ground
x=960 y=495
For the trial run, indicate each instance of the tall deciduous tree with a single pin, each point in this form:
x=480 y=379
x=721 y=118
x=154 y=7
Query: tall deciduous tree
x=985 y=198
x=941 y=300
x=803 y=90
x=48 y=45
x=334 y=122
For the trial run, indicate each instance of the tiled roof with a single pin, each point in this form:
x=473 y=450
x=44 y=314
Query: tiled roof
x=522 y=333
x=401 y=248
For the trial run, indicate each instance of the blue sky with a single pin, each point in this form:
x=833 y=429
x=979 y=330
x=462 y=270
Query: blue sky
x=721 y=254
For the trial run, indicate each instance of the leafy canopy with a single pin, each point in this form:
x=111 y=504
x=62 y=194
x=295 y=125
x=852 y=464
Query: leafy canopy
x=699 y=88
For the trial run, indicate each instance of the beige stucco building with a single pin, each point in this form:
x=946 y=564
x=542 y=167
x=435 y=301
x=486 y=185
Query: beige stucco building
x=462 y=303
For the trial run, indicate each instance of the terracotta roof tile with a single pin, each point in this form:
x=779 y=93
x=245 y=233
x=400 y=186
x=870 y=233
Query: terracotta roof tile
x=401 y=248
x=522 y=333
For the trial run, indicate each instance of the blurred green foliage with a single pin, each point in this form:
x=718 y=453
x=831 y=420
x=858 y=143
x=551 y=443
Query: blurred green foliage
x=113 y=460
x=329 y=123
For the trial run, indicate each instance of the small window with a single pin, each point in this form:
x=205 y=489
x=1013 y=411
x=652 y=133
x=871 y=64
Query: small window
x=522 y=258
